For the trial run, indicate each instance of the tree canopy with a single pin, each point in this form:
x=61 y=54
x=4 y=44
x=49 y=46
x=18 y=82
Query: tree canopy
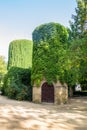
x=78 y=43
x=79 y=23
x=78 y=58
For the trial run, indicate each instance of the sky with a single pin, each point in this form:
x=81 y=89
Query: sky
x=19 y=18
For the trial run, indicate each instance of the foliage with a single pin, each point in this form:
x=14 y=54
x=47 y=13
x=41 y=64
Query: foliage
x=20 y=54
x=17 y=84
x=17 y=80
x=78 y=26
x=50 y=31
x=77 y=50
x=78 y=58
x=3 y=69
x=49 y=53
x=55 y=60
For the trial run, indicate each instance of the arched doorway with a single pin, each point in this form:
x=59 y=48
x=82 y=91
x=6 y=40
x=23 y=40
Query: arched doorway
x=47 y=93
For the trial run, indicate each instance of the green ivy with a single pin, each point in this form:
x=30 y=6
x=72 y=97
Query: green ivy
x=49 y=52
x=50 y=31
x=20 y=54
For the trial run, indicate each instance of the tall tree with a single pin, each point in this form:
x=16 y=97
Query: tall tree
x=78 y=58
x=79 y=24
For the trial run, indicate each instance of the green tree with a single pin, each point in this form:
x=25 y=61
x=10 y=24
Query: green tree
x=3 y=69
x=78 y=58
x=79 y=25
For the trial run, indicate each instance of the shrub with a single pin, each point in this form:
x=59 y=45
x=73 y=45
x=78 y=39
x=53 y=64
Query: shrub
x=17 y=84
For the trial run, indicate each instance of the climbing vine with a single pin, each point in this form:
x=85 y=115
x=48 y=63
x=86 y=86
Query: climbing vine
x=20 y=54
x=49 y=53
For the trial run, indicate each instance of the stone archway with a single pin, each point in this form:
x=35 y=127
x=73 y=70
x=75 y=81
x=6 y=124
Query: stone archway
x=47 y=93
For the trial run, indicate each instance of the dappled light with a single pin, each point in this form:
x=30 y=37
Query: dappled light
x=20 y=115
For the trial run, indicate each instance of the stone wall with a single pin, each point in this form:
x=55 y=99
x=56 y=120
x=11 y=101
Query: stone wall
x=37 y=94
x=61 y=93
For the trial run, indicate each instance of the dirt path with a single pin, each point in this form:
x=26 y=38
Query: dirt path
x=19 y=115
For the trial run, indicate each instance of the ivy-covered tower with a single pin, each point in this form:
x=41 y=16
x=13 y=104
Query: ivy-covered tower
x=20 y=54
x=17 y=82
x=49 y=41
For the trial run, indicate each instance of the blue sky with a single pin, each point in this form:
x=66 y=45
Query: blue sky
x=18 y=18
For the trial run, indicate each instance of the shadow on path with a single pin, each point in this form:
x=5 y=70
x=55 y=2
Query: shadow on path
x=20 y=115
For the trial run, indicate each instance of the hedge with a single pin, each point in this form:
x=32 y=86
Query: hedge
x=17 y=84
x=20 y=54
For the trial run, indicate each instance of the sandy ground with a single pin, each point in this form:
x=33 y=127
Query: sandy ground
x=20 y=115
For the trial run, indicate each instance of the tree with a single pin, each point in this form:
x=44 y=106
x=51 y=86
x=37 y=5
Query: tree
x=3 y=69
x=20 y=54
x=78 y=27
x=78 y=40
x=78 y=58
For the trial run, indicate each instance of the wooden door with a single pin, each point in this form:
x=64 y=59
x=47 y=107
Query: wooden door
x=47 y=93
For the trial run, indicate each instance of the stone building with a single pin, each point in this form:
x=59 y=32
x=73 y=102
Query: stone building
x=47 y=51
x=56 y=93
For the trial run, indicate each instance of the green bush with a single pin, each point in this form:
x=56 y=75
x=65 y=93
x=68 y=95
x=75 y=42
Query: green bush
x=17 y=84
